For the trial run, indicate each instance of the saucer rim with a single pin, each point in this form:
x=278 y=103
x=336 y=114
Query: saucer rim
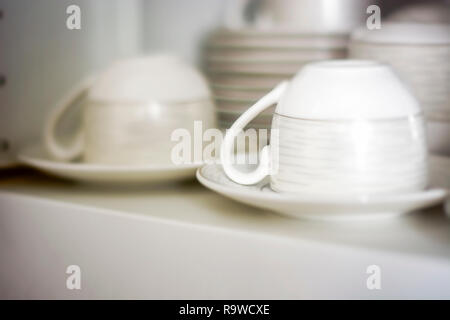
x=47 y=163
x=438 y=193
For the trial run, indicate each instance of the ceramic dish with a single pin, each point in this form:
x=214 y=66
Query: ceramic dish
x=36 y=157
x=239 y=94
x=440 y=173
x=272 y=53
x=247 y=79
x=318 y=208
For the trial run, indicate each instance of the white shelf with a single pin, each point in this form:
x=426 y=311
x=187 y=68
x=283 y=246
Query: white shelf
x=183 y=241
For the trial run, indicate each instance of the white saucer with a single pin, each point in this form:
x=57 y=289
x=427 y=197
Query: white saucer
x=7 y=162
x=440 y=173
x=314 y=207
x=36 y=157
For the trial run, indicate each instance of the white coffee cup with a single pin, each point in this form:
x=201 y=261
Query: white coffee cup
x=130 y=111
x=341 y=127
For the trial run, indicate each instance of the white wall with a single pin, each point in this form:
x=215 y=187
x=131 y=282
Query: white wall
x=180 y=26
x=42 y=59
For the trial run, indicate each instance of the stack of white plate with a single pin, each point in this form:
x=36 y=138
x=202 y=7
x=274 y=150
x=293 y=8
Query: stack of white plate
x=420 y=53
x=243 y=65
x=433 y=12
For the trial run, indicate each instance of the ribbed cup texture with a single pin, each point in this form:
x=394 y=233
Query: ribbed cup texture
x=354 y=157
x=139 y=133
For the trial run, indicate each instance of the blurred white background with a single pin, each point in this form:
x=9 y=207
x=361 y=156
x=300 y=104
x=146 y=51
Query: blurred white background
x=41 y=59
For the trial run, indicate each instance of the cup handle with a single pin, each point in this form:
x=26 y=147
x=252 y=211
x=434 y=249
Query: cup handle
x=263 y=169
x=75 y=149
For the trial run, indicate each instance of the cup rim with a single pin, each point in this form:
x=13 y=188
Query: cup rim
x=419 y=114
